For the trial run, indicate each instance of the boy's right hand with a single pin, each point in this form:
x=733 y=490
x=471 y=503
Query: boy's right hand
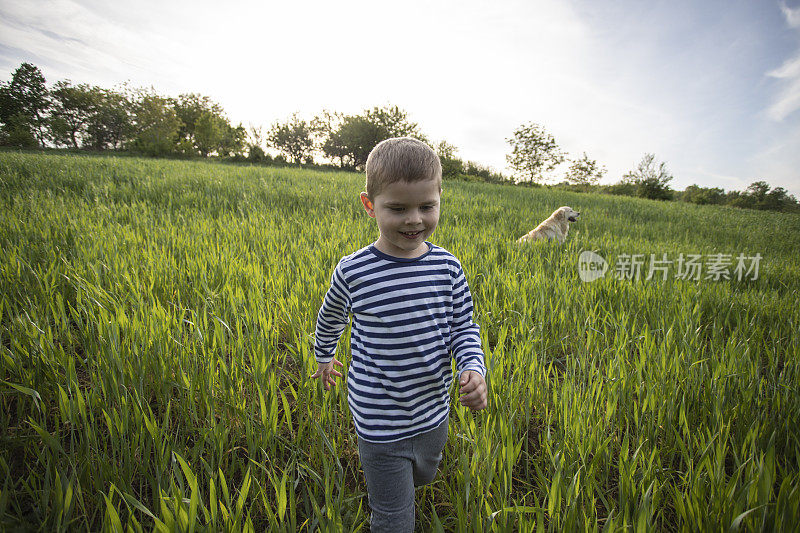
x=325 y=372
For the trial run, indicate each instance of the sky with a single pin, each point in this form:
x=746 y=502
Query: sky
x=711 y=87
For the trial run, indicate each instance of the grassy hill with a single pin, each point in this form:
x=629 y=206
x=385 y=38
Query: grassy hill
x=155 y=333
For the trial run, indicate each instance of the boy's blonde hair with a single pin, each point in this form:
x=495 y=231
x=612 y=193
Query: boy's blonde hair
x=401 y=159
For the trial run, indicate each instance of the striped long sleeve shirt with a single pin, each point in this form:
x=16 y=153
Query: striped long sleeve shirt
x=409 y=316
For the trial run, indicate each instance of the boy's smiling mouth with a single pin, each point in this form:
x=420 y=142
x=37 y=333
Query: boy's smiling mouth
x=411 y=234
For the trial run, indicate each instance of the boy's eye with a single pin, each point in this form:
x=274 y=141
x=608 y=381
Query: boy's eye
x=396 y=209
x=427 y=207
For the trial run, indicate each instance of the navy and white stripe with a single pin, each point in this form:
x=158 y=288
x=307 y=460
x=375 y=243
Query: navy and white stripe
x=409 y=315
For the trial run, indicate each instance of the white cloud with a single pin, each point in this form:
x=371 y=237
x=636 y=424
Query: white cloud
x=792 y=15
x=86 y=45
x=788 y=101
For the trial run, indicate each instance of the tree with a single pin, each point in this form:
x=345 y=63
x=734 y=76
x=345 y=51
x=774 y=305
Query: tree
x=584 y=171
x=452 y=166
x=350 y=138
x=651 y=179
x=758 y=190
x=156 y=124
x=72 y=109
x=207 y=133
x=394 y=121
x=354 y=140
x=255 y=139
x=326 y=130
x=293 y=138
x=322 y=127
x=533 y=152
x=18 y=131
x=203 y=123
x=759 y=196
x=233 y=140
x=23 y=107
x=109 y=126
x=740 y=199
x=780 y=200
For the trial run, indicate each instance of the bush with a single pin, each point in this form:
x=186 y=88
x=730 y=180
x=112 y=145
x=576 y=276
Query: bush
x=256 y=154
x=578 y=187
x=653 y=188
x=703 y=195
x=484 y=173
x=651 y=179
x=451 y=167
x=623 y=188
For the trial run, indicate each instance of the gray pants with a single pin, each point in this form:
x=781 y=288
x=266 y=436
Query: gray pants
x=393 y=469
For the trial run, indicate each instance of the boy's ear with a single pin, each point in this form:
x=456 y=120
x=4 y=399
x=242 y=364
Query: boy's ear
x=367 y=203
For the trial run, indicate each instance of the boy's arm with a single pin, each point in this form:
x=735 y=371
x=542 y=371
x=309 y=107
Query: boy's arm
x=332 y=319
x=465 y=340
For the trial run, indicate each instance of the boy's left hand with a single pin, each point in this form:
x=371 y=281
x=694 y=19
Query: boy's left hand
x=473 y=390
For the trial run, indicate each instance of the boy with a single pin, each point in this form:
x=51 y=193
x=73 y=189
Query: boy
x=411 y=308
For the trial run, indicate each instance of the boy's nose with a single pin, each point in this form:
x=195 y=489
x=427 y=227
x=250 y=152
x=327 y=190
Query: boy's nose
x=413 y=216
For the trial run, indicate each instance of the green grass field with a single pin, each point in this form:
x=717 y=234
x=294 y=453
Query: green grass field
x=156 y=330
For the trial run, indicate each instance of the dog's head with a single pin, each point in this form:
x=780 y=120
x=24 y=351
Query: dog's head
x=567 y=213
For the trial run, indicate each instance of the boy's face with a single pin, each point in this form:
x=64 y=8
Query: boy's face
x=406 y=213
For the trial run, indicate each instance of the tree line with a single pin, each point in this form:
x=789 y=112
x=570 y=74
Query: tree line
x=87 y=117
x=82 y=116
x=535 y=152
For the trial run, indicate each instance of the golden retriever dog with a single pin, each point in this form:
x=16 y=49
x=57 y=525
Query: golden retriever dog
x=554 y=228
